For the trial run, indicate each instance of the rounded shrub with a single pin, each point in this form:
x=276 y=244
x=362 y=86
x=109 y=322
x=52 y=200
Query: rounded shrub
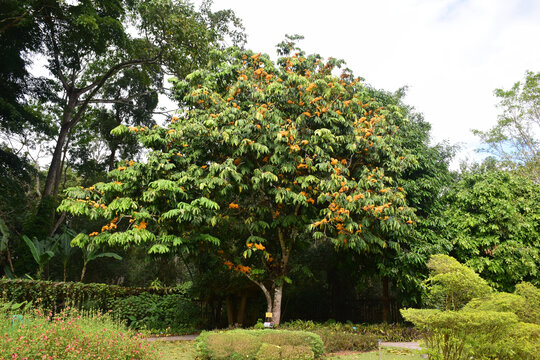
x=258 y=344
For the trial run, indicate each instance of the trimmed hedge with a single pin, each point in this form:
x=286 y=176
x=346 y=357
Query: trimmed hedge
x=166 y=309
x=55 y=295
x=258 y=345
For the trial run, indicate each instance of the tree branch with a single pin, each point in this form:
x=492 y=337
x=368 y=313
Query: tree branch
x=97 y=85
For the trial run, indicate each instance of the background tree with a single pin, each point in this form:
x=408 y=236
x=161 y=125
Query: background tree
x=493 y=219
x=514 y=141
x=277 y=155
x=95 y=61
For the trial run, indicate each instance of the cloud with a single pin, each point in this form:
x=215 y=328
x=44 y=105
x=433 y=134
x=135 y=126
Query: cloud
x=451 y=53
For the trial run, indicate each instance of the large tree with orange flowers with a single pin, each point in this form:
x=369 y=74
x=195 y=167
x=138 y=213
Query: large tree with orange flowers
x=264 y=157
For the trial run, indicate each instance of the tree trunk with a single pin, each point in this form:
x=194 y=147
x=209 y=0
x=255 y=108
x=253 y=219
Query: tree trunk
x=83 y=272
x=56 y=161
x=9 y=259
x=276 y=308
x=58 y=176
x=230 y=311
x=385 y=300
x=112 y=156
x=241 y=310
x=58 y=223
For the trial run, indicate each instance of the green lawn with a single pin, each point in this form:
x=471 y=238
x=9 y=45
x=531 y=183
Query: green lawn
x=183 y=350
x=176 y=350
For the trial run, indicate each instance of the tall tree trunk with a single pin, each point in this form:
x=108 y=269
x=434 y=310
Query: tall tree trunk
x=112 y=156
x=60 y=170
x=385 y=300
x=276 y=307
x=241 y=310
x=56 y=160
x=230 y=311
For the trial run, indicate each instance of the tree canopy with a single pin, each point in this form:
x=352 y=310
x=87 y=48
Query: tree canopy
x=264 y=156
x=494 y=223
x=515 y=141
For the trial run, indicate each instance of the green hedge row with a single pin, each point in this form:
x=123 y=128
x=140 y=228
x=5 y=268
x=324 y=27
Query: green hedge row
x=158 y=310
x=53 y=295
x=259 y=345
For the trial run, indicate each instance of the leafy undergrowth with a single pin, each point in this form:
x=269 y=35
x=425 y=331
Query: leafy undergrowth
x=69 y=335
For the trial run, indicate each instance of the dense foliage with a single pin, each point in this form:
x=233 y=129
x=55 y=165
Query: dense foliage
x=479 y=323
x=279 y=155
x=493 y=219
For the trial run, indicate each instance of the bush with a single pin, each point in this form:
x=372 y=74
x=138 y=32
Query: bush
x=258 y=344
x=345 y=341
x=297 y=352
x=158 y=312
x=532 y=296
x=269 y=352
x=503 y=302
x=354 y=337
x=458 y=335
x=451 y=285
x=69 y=335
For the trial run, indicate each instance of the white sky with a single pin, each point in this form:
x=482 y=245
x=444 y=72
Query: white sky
x=451 y=54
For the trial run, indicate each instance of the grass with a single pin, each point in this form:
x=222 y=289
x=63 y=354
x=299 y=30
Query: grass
x=175 y=350
x=386 y=354
x=183 y=350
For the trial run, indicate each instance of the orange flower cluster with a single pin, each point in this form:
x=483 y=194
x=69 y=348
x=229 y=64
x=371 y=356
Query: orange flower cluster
x=110 y=226
x=243 y=269
x=319 y=223
x=141 y=225
x=233 y=206
x=294 y=147
x=94 y=233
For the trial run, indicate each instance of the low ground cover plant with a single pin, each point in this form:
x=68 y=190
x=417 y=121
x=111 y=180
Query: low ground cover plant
x=69 y=335
x=354 y=337
x=259 y=345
